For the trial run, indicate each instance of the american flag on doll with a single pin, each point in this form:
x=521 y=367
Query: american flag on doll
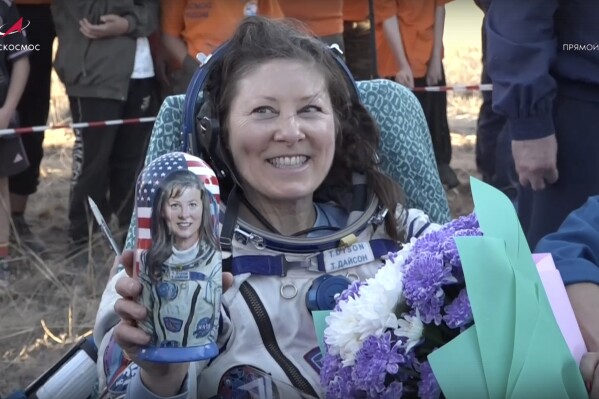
x=149 y=181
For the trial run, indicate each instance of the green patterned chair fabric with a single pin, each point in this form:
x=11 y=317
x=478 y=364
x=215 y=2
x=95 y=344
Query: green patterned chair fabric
x=406 y=151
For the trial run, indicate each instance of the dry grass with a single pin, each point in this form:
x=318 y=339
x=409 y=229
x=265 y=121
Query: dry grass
x=50 y=291
x=462 y=66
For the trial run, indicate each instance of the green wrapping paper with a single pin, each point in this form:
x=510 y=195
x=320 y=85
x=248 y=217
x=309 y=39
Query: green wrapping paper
x=515 y=349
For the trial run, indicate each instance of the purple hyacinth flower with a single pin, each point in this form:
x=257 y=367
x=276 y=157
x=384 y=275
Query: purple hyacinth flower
x=428 y=387
x=458 y=313
x=466 y=222
x=377 y=358
x=336 y=379
x=423 y=282
x=393 y=391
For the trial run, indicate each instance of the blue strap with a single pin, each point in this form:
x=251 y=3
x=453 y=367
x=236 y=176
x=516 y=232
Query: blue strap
x=266 y=265
x=275 y=265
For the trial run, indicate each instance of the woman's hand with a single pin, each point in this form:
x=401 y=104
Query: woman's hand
x=590 y=373
x=162 y=379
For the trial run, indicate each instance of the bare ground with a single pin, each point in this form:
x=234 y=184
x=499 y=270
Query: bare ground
x=51 y=303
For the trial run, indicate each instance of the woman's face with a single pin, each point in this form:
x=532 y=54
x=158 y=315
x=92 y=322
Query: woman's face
x=282 y=130
x=183 y=215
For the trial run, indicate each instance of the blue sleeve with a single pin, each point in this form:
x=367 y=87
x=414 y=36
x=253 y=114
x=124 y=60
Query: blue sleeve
x=575 y=246
x=483 y=5
x=521 y=47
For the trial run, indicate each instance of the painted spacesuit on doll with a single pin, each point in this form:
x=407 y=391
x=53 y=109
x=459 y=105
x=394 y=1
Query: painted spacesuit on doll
x=187 y=283
x=179 y=261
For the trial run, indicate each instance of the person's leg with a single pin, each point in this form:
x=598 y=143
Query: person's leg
x=524 y=206
x=91 y=158
x=129 y=149
x=505 y=177
x=356 y=41
x=434 y=106
x=33 y=111
x=488 y=128
x=4 y=229
x=493 y=150
x=576 y=124
x=484 y=149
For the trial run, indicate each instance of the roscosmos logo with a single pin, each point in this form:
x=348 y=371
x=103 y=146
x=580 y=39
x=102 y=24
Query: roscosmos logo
x=17 y=27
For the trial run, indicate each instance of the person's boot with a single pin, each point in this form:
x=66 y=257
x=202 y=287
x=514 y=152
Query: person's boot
x=448 y=177
x=24 y=237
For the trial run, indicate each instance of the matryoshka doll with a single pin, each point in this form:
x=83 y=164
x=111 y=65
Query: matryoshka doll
x=178 y=258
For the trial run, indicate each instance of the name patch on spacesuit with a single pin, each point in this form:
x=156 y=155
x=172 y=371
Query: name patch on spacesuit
x=186 y=276
x=181 y=276
x=353 y=255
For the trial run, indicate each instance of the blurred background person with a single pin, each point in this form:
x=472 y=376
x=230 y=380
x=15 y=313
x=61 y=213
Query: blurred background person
x=357 y=39
x=543 y=61
x=190 y=27
x=493 y=149
x=324 y=19
x=14 y=71
x=114 y=79
x=33 y=111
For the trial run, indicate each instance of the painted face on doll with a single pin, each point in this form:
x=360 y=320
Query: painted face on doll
x=183 y=215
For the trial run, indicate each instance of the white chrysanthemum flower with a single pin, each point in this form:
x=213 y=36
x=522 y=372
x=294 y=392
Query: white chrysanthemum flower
x=370 y=314
x=410 y=327
x=341 y=333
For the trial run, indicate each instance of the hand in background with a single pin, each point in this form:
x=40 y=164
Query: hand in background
x=113 y=25
x=590 y=373
x=405 y=77
x=536 y=161
x=434 y=73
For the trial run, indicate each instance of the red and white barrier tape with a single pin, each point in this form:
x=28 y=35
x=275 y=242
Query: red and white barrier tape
x=34 y=129
x=456 y=88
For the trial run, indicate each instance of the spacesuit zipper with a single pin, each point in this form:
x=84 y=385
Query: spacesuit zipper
x=270 y=341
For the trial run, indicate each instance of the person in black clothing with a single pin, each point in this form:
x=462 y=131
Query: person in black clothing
x=33 y=111
x=543 y=61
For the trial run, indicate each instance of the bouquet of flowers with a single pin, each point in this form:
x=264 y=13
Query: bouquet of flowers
x=381 y=330
x=455 y=312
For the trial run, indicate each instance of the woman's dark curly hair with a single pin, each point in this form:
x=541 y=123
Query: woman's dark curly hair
x=259 y=40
